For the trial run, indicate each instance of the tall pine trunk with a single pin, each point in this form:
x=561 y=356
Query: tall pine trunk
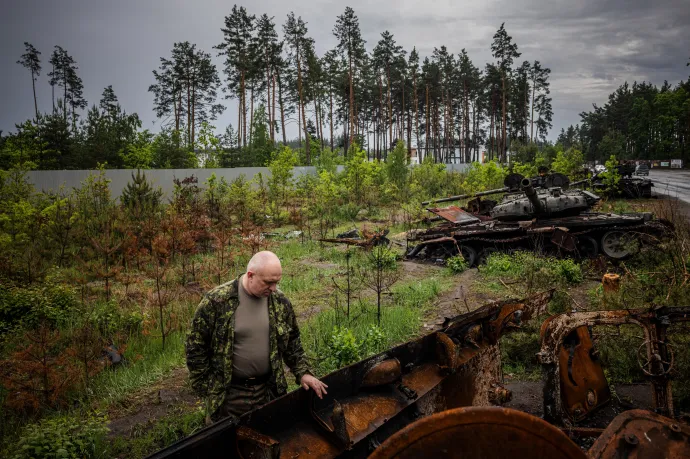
x=331 y=120
x=273 y=111
x=503 y=145
x=304 y=118
x=428 y=124
x=282 y=108
x=33 y=84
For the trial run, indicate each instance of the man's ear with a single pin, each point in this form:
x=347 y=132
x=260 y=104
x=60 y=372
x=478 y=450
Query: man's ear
x=250 y=274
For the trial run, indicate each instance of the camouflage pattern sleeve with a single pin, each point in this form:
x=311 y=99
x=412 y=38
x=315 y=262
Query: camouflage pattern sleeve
x=294 y=355
x=198 y=347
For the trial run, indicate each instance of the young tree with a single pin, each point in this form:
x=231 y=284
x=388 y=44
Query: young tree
x=380 y=273
x=32 y=63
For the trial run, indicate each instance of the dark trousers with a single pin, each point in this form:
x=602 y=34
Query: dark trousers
x=242 y=399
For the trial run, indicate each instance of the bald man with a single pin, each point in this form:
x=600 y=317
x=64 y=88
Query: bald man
x=241 y=334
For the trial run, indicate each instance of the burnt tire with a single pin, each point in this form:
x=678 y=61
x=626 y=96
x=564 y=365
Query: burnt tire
x=587 y=247
x=469 y=254
x=484 y=254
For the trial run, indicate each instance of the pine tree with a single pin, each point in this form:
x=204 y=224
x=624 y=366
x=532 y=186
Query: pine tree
x=239 y=61
x=31 y=62
x=140 y=194
x=386 y=54
x=504 y=51
x=268 y=49
x=351 y=47
x=299 y=45
x=540 y=85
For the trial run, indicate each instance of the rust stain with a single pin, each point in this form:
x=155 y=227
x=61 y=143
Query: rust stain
x=583 y=385
x=454 y=214
x=382 y=373
x=642 y=434
x=486 y=432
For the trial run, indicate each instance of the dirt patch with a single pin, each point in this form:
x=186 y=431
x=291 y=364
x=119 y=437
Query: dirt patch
x=319 y=264
x=144 y=408
x=463 y=298
x=528 y=397
x=419 y=270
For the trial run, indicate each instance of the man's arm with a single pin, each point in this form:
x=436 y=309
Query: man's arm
x=294 y=353
x=198 y=348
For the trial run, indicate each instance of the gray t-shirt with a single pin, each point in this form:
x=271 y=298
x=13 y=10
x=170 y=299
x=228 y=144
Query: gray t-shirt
x=251 y=347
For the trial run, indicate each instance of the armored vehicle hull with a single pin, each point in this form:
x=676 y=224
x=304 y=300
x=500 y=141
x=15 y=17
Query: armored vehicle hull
x=617 y=236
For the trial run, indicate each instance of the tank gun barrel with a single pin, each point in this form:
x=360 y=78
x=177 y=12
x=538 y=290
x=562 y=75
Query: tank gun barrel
x=531 y=193
x=465 y=196
x=580 y=182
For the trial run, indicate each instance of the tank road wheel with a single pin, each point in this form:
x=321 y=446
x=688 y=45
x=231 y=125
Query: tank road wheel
x=587 y=247
x=618 y=244
x=469 y=254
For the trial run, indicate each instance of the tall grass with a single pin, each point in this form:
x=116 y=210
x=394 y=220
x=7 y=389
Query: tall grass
x=148 y=363
x=400 y=320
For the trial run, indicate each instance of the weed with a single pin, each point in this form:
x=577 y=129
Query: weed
x=63 y=437
x=456 y=264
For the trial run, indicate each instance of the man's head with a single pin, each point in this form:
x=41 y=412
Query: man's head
x=263 y=274
x=543 y=170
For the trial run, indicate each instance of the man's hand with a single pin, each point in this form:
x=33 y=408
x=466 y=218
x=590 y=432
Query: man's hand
x=308 y=381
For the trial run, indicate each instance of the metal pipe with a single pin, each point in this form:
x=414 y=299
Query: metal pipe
x=465 y=196
x=531 y=193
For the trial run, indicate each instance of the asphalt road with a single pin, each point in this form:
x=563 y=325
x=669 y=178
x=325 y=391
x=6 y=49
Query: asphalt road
x=672 y=182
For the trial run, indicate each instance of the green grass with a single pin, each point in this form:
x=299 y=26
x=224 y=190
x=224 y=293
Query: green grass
x=147 y=438
x=148 y=363
x=401 y=318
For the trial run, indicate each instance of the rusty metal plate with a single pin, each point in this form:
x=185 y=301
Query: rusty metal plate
x=486 y=432
x=638 y=434
x=563 y=239
x=583 y=385
x=454 y=214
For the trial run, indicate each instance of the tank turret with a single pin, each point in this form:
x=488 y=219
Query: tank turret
x=532 y=202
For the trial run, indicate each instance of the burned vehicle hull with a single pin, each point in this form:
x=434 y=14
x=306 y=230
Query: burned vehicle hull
x=369 y=401
x=433 y=396
x=555 y=221
x=582 y=236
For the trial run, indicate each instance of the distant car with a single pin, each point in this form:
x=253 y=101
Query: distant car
x=599 y=168
x=642 y=169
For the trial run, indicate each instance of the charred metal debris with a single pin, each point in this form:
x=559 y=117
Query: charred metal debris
x=543 y=214
x=433 y=396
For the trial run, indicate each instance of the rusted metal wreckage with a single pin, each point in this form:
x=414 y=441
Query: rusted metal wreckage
x=574 y=380
x=433 y=395
x=555 y=219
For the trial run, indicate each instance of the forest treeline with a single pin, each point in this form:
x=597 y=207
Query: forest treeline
x=371 y=94
x=641 y=121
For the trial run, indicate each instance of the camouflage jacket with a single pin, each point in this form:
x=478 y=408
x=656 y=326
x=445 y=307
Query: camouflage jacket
x=210 y=344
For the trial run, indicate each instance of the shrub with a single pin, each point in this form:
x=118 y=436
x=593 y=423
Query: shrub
x=343 y=348
x=373 y=341
x=457 y=264
x=63 y=437
x=31 y=305
x=569 y=271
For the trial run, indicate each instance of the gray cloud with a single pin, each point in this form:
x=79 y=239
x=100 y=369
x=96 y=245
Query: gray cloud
x=591 y=46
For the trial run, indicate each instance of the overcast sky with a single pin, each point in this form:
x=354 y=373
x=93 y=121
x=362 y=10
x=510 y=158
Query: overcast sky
x=591 y=46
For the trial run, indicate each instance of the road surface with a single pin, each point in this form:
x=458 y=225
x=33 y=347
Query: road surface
x=672 y=182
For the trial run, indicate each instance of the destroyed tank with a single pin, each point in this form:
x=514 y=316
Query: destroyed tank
x=553 y=219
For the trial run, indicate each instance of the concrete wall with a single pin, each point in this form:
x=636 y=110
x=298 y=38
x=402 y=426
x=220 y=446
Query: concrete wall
x=53 y=180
